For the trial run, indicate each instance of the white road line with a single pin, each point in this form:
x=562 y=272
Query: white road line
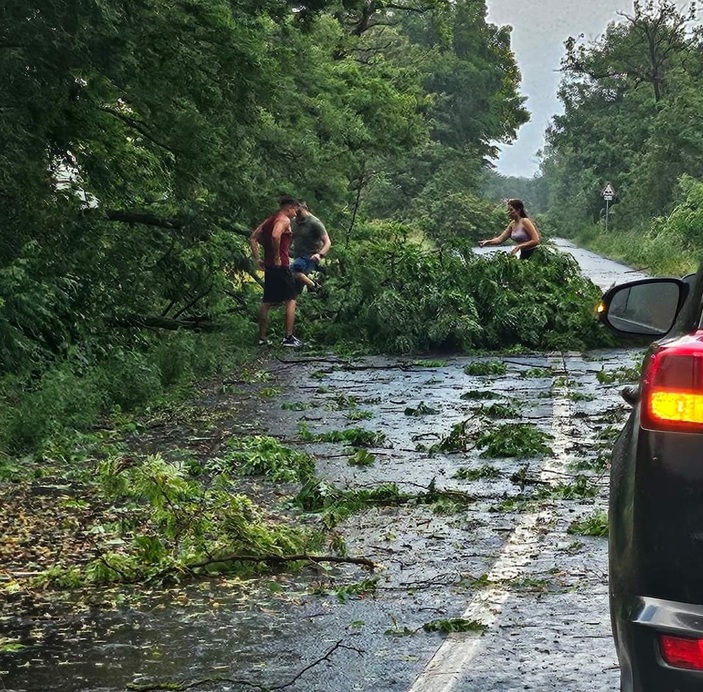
x=457 y=651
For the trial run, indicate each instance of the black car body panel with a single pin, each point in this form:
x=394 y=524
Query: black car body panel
x=641 y=663
x=656 y=511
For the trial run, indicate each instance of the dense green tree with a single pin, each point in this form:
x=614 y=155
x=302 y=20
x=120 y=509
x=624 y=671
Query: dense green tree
x=533 y=191
x=141 y=141
x=628 y=101
x=471 y=75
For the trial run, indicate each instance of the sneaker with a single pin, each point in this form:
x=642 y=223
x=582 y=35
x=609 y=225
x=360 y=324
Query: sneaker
x=264 y=342
x=291 y=341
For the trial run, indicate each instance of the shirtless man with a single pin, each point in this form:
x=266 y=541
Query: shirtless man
x=274 y=234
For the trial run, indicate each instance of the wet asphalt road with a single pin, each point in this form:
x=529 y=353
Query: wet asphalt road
x=508 y=560
x=540 y=591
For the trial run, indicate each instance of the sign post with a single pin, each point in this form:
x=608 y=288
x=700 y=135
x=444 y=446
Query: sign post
x=608 y=194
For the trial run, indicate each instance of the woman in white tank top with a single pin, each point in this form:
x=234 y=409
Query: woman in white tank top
x=520 y=230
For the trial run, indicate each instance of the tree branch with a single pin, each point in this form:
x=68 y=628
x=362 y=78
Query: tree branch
x=143 y=218
x=279 y=559
x=181 y=686
x=195 y=300
x=139 y=127
x=198 y=324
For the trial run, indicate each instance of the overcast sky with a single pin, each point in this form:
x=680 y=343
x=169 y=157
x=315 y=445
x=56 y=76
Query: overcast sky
x=540 y=28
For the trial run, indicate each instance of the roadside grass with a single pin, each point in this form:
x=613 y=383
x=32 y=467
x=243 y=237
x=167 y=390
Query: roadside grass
x=86 y=391
x=659 y=255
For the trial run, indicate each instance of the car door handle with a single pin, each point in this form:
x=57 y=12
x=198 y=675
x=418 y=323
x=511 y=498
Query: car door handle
x=631 y=394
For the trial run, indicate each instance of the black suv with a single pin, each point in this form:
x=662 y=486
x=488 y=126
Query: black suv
x=656 y=490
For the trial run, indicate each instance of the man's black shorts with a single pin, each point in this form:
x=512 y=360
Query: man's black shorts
x=279 y=285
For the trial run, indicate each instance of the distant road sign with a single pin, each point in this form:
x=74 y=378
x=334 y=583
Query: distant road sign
x=608 y=192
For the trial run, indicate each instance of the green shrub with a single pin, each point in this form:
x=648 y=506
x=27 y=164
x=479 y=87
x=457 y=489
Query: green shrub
x=71 y=395
x=401 y=296
x=61 y=400
x=668 y=245
x=173 y=356
x=129 y=379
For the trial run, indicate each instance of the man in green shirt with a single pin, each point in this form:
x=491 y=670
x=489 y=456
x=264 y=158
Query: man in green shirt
x=311 y=243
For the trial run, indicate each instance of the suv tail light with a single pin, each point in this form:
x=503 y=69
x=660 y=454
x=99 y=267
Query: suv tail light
x=681 y=653
x=672 y=386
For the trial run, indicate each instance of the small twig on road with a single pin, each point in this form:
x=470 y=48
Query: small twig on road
x=312 y=359
x=181 y=686
x=326 y=657
x=528 y=366
x=345 y=365
x=386 y=549
x=446 y=492
x=352 y=386
x=439 y=580
x=286 y=558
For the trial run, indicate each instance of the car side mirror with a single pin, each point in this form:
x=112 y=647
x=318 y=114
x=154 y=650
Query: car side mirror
x=648 y=307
